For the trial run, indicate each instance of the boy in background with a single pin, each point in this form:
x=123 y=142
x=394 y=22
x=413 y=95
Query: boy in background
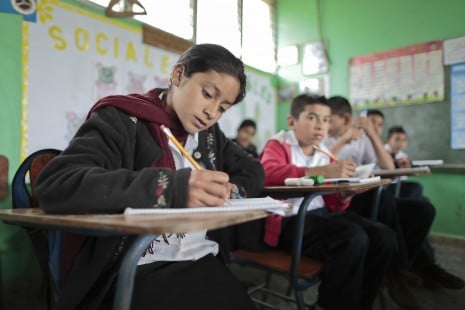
x=425 y=265
x=362 y=143
x=396 y=142
x=355 y=250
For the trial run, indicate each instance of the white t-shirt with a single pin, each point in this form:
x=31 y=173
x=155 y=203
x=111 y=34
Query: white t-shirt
x=400 y=154
x=299 y=159
x=361 y=150
x=181 y=246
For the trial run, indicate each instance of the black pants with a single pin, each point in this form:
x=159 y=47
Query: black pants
x=203 y=284
x=355 y=251
x=411 y=219
x=425 y=256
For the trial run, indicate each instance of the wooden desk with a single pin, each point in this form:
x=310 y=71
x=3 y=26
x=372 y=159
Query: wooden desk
x=147 y=226
x=390 y=173
x=396 y=174
x=310 y=192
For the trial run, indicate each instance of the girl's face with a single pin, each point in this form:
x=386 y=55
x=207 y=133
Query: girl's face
x=201 y=99
x=312 y=125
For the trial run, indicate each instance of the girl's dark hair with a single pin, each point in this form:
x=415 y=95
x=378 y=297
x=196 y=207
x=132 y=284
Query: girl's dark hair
x=339 y=105
x=247 y=123
x=207 y=57
x=301 y=101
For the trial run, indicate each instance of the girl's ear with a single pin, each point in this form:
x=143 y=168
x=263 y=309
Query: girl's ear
x=176 y=75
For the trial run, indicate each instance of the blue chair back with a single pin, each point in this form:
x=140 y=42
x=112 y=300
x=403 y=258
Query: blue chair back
x=46 y=243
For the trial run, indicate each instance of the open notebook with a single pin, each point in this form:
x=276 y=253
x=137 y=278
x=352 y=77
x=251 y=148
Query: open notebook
x=234 y=205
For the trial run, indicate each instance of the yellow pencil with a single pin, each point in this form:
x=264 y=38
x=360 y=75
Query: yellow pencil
x=180 y=148
x=183 y=151
x=316 y=147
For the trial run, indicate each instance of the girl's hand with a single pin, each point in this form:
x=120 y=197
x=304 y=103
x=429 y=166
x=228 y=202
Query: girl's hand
x=208 y=188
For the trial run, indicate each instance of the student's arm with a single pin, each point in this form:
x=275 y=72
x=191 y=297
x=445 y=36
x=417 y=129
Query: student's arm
x=384 y=160
x=348 y=136
x=108 y=167
x=276 y=162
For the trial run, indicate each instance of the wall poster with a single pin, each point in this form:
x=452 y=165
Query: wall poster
x=457 y=106
x=412 y=74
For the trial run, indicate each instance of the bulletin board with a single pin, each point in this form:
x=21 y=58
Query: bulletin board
x=73 y=57
x=411 y=74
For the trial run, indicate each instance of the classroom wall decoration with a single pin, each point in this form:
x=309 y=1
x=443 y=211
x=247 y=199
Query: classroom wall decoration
x=72 y=58
x=454 y=51
x=412 y=74
x=259 y=105
x=457 y=106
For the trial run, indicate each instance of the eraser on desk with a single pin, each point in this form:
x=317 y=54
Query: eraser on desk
x=299 y=182
x=307 y=182
x=292 y=181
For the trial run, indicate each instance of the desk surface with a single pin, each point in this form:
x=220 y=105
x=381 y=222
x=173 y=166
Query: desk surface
x=134 y=224
x=352 y=188
x=388 y=173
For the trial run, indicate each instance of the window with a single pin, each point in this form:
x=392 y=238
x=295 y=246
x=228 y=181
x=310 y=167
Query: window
x=258 y=35
x=245 y=27
x=221 y=27
x=173 y=16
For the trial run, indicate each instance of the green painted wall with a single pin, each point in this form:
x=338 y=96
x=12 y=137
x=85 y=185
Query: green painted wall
x=357 y=27
x=445 y=190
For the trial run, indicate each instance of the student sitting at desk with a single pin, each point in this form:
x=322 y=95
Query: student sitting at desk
x=396 y=142
x=361 y=143
x=120 y=157
x=245 y=134
x=424 y=265
x=355 y=250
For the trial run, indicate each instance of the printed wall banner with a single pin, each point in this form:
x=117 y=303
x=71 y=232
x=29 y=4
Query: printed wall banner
x=412 y=74
x=457 y=106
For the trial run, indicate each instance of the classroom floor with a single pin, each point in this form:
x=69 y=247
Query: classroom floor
x=450 y=255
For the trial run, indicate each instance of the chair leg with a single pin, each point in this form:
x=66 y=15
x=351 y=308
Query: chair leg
x=299 y=298
x=267 y=285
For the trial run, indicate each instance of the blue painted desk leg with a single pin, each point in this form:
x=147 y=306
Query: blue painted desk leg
x=376 y=203
x=127 y=272
x=297 y=249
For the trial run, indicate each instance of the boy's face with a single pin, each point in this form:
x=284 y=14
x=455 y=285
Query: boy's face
x=398 y=141
x=245 y=136
x=312 y=125
x=378 y=123
x=338 y=124
x=201 y=99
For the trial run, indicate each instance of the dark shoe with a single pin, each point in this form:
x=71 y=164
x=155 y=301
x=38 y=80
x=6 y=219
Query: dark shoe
x=400 y=293
x=411 y=278
x=434 y=276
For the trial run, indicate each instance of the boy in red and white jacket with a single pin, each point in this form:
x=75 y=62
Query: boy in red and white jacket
x=355 y=250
